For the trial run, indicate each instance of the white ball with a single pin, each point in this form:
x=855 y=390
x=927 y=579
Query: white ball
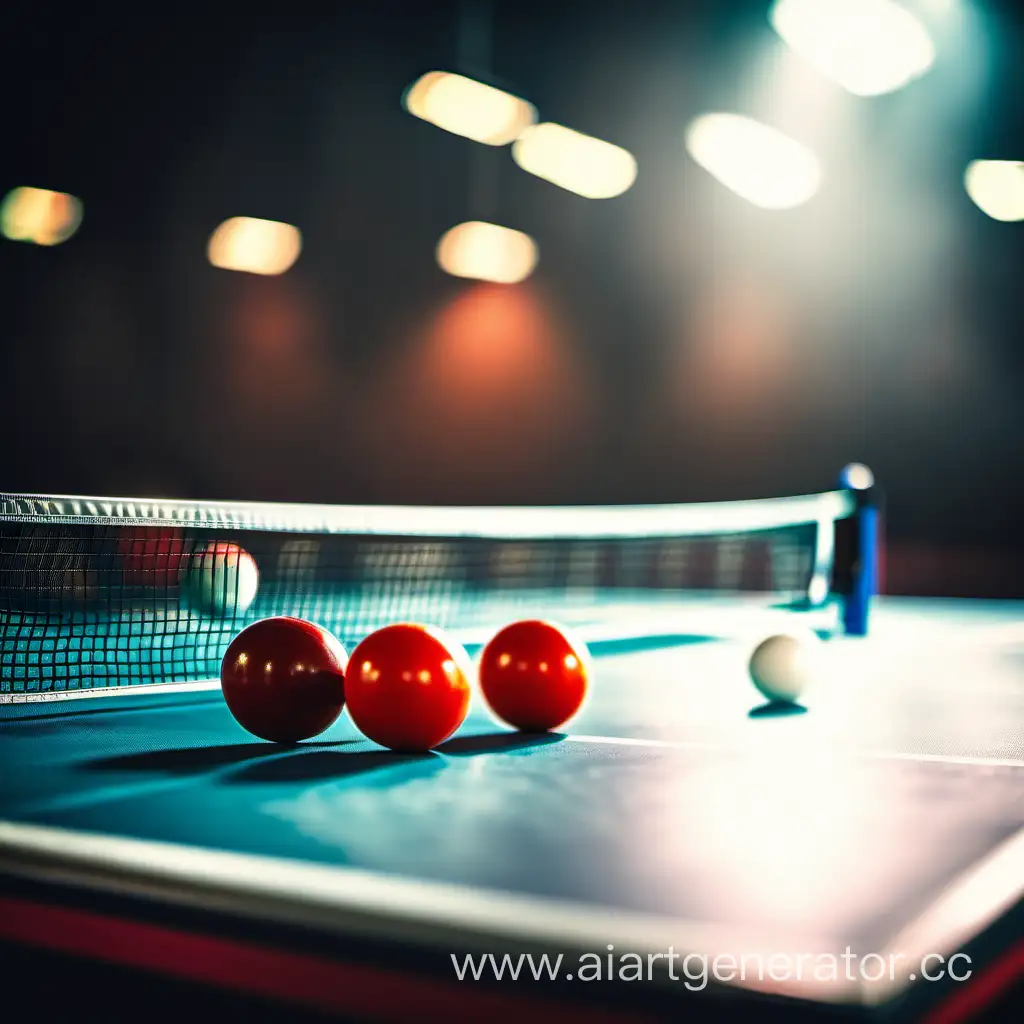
x=221 y=579
x=784 y=666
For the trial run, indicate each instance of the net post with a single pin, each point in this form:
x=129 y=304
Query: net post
x=862 y=570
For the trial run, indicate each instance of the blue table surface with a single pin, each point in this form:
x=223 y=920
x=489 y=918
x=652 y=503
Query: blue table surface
x=674 y=791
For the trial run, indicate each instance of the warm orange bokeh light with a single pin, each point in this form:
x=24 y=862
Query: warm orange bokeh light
x=741 y=347
x=487 y=252
x=576 y=162
x=468 y=108
x=489 y=391
x=491 y=339
x=264 y=389
x=39 y=215
x=275 y=349
x=255 y=246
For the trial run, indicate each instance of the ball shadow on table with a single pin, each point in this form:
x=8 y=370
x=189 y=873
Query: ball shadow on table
x=312 y=765
x=194 y=760
x=495 y=742
x=324 y=765
x=309 y=761
x=777 y=709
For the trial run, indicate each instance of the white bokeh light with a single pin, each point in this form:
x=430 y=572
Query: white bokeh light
x=996 y=187
x=869 y=47
x=755 y=161
x=858 y=477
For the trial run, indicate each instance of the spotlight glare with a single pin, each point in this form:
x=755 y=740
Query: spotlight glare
x=869 y=47
x=997 y=188
x=757 y=162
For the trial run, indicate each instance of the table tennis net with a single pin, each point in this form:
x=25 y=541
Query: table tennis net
x=98 y=593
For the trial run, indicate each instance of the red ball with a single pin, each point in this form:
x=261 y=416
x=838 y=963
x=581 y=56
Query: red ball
x=408 y=687
x=284 y=679
x=533 y=676
x=151 y=557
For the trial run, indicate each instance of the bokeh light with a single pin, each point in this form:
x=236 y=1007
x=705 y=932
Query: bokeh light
x=39 y=216
x=469 y=108
x=264 y=383
x=576 y=162
x=869 y=47
x=487 y=252
x=255 y=246
x=857 y=477
x=757 y=162
x=997 y=188
x=742 y=347
x=445 y=402
x=817 y=590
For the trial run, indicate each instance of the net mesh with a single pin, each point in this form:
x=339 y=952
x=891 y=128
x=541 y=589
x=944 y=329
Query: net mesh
x=89 y=599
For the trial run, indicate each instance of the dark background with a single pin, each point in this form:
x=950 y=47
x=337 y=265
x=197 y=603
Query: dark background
x=674 y=344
